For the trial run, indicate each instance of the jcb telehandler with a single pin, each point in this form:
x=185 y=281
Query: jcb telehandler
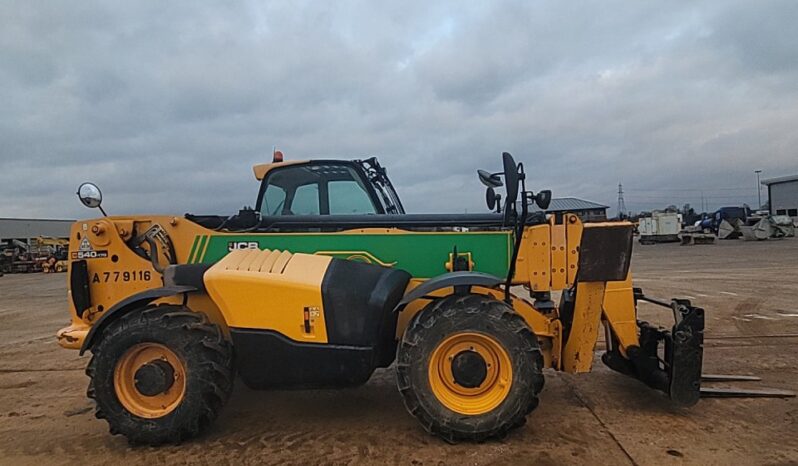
x=327 y=279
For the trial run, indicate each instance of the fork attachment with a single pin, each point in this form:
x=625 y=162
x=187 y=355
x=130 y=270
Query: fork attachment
x=676 y=371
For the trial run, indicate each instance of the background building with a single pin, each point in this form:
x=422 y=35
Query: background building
x=586 y=210
x=783 y=195
x=25 y=229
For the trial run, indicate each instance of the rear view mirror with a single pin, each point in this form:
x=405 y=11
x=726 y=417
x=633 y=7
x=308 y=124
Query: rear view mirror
x=493 y=200
x=90 y=195
x=490 y=180
x=510 y=177
x=543 y=199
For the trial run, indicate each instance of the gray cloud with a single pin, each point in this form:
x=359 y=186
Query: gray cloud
x=167 y=104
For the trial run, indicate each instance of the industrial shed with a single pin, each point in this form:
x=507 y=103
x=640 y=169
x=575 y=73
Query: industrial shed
x=24 y=229
x=586 y=210
x=783 y=195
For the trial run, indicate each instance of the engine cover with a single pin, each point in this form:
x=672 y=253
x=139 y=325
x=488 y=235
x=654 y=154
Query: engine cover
x=306 y=320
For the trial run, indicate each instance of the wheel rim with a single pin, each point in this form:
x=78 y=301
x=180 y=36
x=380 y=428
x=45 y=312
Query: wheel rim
x=150 y=380
x=488 y=383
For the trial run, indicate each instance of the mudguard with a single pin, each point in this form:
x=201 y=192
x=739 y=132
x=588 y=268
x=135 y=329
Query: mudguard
x=464 y=279
x=128 y=304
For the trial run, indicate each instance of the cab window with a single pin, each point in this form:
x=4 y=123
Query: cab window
x=306 y=200
x=317 y=188
x=273 y=200
x=349 y=197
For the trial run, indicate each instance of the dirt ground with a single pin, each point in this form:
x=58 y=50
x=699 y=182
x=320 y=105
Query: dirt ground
x=750 y=292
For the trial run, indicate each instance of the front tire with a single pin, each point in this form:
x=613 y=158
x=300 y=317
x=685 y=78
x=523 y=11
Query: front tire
x=469 y=368
x=160 y=375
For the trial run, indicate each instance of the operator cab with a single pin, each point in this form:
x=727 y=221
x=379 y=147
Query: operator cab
x=337 y=195
x=326 y=187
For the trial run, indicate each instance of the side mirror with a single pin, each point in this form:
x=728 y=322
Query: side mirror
x=543 y=199
x=510 y=177
x=490 y=180
x=91 y=196
x=493 y=200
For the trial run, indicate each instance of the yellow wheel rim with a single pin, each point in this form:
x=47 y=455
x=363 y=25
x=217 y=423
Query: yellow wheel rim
x=489 y=393
x=125 y=381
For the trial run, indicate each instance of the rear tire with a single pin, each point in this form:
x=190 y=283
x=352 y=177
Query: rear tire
x=177 y=342
x=469 y=368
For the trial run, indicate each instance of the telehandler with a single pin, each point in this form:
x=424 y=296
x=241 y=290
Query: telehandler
x=327 y=279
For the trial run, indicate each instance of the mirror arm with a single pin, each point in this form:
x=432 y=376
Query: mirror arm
x=520 y=222
x=101 y=210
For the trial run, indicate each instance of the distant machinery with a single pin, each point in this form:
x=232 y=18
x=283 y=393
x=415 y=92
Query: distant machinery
x=33 y=245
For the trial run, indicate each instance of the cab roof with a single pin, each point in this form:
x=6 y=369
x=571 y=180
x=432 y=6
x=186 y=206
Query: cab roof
x=262 y=169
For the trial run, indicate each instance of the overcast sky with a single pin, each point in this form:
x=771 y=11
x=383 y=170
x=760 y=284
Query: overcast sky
x=166 y=105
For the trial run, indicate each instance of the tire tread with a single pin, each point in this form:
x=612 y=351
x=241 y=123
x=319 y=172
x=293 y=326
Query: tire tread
x=201 y=341
x=412 y=347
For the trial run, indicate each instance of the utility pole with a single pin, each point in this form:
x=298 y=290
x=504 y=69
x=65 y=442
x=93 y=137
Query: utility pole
x=621 y=204
x=758 y=190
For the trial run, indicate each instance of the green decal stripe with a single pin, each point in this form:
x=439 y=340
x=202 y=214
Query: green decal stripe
x=510 y=245
x=204 y=250
x=193 y=249
x=201 y=245
x=424 y=255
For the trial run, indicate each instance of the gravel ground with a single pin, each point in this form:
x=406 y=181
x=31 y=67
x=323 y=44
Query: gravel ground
x=750 y=292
